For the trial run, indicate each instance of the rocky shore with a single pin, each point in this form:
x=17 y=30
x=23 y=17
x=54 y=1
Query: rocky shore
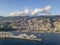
x=21 y=37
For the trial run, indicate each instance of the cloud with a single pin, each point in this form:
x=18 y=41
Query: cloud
x=20 y=13
x=25 y=12
x=46 y=9
x=37 y=10
x=15 y=13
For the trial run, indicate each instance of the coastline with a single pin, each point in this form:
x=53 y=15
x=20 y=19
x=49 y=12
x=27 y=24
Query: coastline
x=16 y=37
x=46 y=32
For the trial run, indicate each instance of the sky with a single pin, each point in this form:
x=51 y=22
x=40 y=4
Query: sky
x=24 y=7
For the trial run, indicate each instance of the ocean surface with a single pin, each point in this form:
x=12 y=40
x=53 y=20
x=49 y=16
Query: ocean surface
x=47 y=39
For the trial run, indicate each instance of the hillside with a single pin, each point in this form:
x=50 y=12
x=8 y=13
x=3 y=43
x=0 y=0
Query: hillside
x=35 y=23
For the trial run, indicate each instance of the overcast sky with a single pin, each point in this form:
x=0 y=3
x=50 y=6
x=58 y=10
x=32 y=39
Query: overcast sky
x=11 y=7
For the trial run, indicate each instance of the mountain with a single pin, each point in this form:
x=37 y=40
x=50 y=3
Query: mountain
x=32 y=23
